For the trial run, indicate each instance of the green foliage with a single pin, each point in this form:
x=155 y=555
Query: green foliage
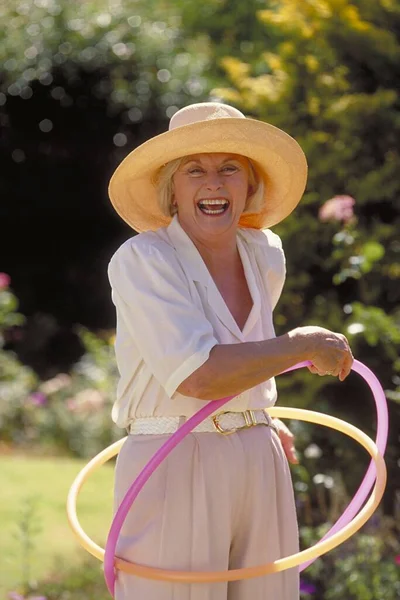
x=328 y=73
x=68 y=583
x=70 y=413
x=377 y=326
x=366 y=573
x=32 y=511
x=364 y=568
x=143 y=59
x=86 y=581
x=331 y=78
x=16 y=380
x=29 y=525
x=8 y=310
x=231 y=28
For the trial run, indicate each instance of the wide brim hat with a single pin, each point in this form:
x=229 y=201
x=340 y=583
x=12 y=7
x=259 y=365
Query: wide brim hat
x=211 y=127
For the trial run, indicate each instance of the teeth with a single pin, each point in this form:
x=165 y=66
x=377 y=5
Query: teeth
x=219 y=202
x=217 y=211
x=213 y=207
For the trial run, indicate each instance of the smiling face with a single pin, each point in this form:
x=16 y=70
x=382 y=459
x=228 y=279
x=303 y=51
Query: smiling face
x=210 y=191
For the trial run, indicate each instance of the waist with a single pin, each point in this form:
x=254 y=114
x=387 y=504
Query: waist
x=224 y=423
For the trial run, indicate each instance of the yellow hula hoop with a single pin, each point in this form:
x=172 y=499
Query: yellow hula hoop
x=246 y=573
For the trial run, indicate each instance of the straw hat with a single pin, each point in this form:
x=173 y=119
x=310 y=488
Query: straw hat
x=211 y=127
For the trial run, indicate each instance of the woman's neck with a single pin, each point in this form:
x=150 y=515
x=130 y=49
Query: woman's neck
x=219 y=257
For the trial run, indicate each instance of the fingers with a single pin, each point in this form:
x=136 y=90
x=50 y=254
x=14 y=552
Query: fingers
x=347 y=363
x=287 y=440
x=336 y=360
x=346 y=367
x=341 y=371
x=313 y=369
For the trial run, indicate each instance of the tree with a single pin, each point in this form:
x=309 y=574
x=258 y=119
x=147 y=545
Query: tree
x=81 y=84
x=331 y=81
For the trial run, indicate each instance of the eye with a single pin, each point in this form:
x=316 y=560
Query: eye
x=195 y=170
x=230 y=168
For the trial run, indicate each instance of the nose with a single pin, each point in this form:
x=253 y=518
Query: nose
x=214 y=181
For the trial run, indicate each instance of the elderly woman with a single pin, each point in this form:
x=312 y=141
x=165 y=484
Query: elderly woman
x=194 y=295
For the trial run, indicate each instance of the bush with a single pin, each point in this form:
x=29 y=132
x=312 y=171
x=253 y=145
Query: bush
x=68 y=414
x=78 y=583
x=366 y=567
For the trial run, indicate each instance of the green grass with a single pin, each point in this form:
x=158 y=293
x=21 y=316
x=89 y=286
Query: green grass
x=46 y=481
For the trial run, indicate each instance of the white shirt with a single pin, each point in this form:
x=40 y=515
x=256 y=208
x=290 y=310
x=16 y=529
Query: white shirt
x=170 y=314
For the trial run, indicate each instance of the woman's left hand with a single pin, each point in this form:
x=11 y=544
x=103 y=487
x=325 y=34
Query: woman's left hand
x=287 y=441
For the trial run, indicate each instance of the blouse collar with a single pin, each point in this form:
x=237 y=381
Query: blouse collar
x=197 y=270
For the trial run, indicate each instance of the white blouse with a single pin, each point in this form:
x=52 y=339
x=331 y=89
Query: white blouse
x=170 y=314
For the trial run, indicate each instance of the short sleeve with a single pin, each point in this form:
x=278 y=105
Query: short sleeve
x=276 y=265
x=153 y=301
x=271 y=260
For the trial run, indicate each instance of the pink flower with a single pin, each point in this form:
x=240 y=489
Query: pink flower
x=397 y=559
x=71 y=404
x=5 y=281
x=87 y=400
x=38 y=399
x=338 y=208
x=307 y=588
x=51 y=386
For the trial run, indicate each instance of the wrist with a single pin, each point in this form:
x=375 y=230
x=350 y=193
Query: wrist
x=302 y=344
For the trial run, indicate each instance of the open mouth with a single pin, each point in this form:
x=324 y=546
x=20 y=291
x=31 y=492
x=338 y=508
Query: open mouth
x=213 y=207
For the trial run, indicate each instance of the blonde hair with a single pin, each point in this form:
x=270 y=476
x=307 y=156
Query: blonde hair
x=163 y=183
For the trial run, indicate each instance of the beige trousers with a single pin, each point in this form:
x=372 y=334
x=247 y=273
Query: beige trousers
x=217 y=502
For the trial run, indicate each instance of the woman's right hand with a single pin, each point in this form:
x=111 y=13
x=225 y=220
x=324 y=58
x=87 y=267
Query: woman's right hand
x=329 y=352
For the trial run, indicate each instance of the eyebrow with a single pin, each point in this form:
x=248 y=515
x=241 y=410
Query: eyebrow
x=196 y=160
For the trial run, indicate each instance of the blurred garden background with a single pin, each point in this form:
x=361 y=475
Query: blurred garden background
x=83 y=83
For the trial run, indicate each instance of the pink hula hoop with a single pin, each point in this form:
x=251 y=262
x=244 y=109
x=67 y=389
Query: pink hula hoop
x=352 y=509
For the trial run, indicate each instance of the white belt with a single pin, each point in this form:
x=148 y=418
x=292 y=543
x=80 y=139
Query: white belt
x=223 y=422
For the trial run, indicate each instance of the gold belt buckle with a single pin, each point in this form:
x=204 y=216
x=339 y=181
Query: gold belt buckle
x=249 y=417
